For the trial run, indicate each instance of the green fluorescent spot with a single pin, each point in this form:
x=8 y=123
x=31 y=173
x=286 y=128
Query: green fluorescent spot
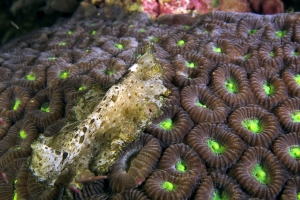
x=186 y=26
x=295 y=152
x=272 y=54
x=280 y=34
x=296 y=116
x=168 y=186
x=251 y=32
x=87 y=50
x=167 y=124
x=259 y=174
x=23 y=134
x=16 y=104
x=218 y=195
x=247 y=56
x=82 y=88
x=180 y=43
x=52 y=58
x=180 y=166
x=217 y=49
x=268 y=88
x=119 y=46
x=298 y=196
x=215 y=147
x=63 y=74
x=93 y=32
x=110 y=72
x=45 y=107
x=30 y=77
x=154 y=39
x=190 y=65
x=297 y=79
x=62 y=44
x=253 y=125
x=200 y=104
x=15 y=192
x=69 y=32
x=231 y=85
x=295 y=53
x=142 y=30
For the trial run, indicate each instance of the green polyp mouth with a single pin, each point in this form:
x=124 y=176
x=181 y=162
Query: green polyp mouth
x=180 y=166
x=217 y=49
x=30 y=77
x=296 y=116
x=231 y=85
x=52 y=58
x=15 y=191
x=16 y=104
x=186 y=26
x=253 y=125
x=200 y=104
x=83 y=87
x=280 y=34
x=119 y=46
x=180 y=43
x=167 y=124
x=23 y=134
x=260 y=174
x=70 y=32
x=63 y=74
x=93 y=32
x=298 y=196
x=251 y=32
x=268 y=88
x=295 y=53
x=190 y=65
x=45 y=107
x=218 y=195
x=142 y=30
x=87 y=50
x=295 y=152
x=246 y=56
x=110 y=72
x=215 y=147
x=297 y=79
x=62 y=44
x=153 y=39
x=272 y=54
x=168 y=186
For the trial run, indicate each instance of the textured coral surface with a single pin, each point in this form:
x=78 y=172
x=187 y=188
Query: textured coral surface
x=229 y=129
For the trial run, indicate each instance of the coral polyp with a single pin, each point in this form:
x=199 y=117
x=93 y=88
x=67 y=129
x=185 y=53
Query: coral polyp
x=115 y=105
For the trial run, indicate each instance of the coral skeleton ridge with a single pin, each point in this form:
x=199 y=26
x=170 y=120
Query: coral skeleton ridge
x=120 y=117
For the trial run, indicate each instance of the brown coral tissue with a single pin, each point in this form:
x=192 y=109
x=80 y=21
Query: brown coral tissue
x=135 y=164
x=217 y=145
x=162 y=185
x=219 y=186
x=291 y=189
x=268 y=87
x=255 y=125
x=288 y=114
x=287 y=149
x=171 y=126
x=181 y=160
x=230 y=82
x=260 y=173
x=202 y=105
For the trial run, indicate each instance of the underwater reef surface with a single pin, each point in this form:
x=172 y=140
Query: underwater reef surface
x=229 y=127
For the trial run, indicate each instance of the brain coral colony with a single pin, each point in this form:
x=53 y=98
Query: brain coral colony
x=114 y=106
